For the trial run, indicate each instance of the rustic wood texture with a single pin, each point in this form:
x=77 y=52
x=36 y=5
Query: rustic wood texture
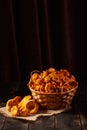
x=2 y=121
x=69 y=120
x=14 y=124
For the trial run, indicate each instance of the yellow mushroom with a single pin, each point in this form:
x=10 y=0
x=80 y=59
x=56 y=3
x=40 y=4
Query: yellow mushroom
x=24 y=101
x=32 y=106
x=27 y=107
x=12 y=102
x=23 y=110
x=14 y=111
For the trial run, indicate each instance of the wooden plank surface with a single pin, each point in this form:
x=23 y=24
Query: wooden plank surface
x=83 y=121
x=82 y=109
x=14 y=124
x=67 y=121
x=82 y=104
x=70 y=120
x=43 y=123
x=64 y=121
x=2 y=121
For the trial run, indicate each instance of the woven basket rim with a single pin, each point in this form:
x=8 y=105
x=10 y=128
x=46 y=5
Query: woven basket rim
x=32 y=90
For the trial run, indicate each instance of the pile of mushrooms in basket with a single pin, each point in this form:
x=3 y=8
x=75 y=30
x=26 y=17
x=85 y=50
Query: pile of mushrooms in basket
x=51 y=88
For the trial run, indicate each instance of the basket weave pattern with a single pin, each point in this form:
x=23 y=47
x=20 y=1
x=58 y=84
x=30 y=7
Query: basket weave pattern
x=52 y=89
x=54 y=100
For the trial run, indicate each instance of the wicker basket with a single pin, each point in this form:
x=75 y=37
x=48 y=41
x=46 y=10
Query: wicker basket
x=54 y=100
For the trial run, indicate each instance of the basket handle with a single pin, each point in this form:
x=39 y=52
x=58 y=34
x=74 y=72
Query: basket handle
x=34 y=71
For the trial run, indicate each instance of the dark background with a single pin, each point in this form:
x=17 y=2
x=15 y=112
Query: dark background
x=38 y=34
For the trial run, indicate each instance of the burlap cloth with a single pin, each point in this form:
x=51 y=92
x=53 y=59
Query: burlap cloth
x=33 y=117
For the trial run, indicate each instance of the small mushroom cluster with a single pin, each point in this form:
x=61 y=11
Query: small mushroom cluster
x=22 y=107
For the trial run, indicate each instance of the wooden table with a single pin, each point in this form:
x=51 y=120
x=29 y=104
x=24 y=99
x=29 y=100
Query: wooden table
x=74 y=119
